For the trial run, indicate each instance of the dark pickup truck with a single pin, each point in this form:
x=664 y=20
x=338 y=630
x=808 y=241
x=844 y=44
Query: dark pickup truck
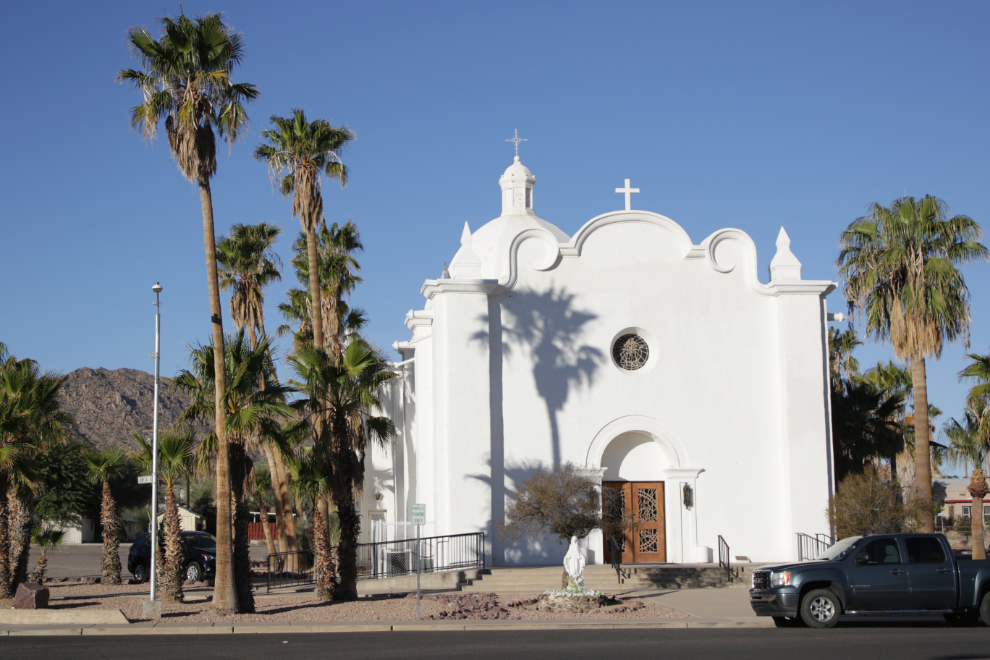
x=879 y=573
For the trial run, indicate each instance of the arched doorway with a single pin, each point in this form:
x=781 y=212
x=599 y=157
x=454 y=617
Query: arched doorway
x=633 y=498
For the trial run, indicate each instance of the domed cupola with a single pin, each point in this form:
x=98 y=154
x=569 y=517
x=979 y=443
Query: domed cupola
x=517 y=189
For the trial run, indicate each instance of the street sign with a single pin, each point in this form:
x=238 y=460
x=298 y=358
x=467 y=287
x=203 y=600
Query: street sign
x=419 y=514
x=146 y=479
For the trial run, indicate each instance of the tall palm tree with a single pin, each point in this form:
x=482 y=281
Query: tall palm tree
x=248 y=263
x=899 y=266
x=966 y=444
x=175 y=462
x=298 y=152
x=262 y=486
x=250 y=412
x=978 y=397
x=104 y=466
x=30 y=420
x=186 y=84
x=841 y=345
x=345 y=394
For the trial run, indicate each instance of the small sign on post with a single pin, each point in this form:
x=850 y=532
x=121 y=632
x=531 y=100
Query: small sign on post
x=146 y=479
x=418 y=519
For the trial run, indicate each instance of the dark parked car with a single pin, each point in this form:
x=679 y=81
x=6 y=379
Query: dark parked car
x=880 y=573
x=199 y=563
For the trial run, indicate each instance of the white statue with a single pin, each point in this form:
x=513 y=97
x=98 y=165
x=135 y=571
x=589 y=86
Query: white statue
x=574 y=563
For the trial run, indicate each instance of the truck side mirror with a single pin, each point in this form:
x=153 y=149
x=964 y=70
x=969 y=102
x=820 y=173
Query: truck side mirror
x=859 y=559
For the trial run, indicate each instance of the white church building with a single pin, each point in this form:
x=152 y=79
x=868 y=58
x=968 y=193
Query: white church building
x=664 y=368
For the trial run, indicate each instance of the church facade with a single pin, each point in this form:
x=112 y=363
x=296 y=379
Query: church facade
x=665 y=369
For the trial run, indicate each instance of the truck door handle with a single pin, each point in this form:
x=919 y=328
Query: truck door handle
x=942 y=570
x=897 y=572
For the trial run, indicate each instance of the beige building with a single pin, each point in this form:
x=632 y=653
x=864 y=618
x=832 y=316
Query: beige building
x=189 y=521
x=956 y=500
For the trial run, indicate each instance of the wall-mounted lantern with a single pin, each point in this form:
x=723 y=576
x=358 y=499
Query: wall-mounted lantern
x=688 y=496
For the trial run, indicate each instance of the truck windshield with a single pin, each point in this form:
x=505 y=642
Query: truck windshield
x=840 y=550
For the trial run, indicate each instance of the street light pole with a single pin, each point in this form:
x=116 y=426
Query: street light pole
x=154 y=447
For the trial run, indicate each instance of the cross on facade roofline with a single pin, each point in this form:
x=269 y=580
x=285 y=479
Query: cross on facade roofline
x=516 y=140
x=628 y=191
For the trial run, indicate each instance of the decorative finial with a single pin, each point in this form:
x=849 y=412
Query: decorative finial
x=628 y=191
x=466 y=234
x=445 y=275
x=783 y=240
x=785 y=267
x=516 y=140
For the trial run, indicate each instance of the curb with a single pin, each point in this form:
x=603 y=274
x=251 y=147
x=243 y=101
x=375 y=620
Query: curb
x=384 y=626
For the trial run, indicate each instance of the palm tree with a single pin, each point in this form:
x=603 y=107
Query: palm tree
x=900 y=270
x=248 y=264
x=841 y=344
x=175 y=462
x=30 y=420
x=978 y=398
x=250 y=412
x=186 y=83
x=312 y=478
x=344 y=394
x=966 y=444
x=105 y=465
x=46 y=539
x=297 y=153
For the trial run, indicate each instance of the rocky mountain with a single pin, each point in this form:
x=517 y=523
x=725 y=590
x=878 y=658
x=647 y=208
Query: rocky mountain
x=111 y=405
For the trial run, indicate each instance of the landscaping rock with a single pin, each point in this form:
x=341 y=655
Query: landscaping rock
x=592 y=601
x=189 y=583
x=31 y=596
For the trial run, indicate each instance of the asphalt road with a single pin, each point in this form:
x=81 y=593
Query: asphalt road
x=84 y=560
x=848 y=642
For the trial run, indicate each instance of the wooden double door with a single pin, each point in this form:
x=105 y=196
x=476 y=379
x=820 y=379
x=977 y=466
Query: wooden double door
x=634 y=511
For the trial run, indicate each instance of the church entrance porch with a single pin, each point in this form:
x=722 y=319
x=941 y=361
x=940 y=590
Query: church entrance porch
x=639 y=506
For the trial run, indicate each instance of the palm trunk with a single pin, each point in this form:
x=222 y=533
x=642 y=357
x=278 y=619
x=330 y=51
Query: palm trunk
x=38 y=574
x=325 y=573
x=263 y=510
x=111 y=538
x=283 y=510
x=224 y=593
x=978 y=489
x=242 y=520
x=5 y=590
x=20 y=538
x=350 y=527
x=170 y=574
x=922 y=442
x=316 y=313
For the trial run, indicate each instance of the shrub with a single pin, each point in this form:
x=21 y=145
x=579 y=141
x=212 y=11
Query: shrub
x=562 y=501
x=872 y=503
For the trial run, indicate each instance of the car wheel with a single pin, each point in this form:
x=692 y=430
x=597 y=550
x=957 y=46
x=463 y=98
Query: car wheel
x=140 y=573
x=194 y=572
x=820 y=608
x=787 y=621
x=963 y=619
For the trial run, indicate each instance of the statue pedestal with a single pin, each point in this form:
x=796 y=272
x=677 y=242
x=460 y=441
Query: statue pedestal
x=561 y=600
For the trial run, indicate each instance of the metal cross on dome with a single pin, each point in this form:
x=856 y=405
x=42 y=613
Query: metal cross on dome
x=627 y=190
x=516 y=140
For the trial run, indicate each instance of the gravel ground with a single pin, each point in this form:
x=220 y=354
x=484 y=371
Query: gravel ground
x=305 y=607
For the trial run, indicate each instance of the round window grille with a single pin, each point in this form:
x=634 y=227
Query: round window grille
x=630 y=352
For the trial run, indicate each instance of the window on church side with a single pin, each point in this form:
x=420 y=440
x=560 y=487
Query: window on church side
x=630 y=352
x=529 y=198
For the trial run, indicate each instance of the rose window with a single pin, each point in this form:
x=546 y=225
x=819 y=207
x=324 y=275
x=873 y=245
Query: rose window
x=630 y=352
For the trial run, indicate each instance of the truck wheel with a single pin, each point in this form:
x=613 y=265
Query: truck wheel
x=962 y=619
x=787 y=621
x=820 y=608
x=985 y=608
x=140 y=572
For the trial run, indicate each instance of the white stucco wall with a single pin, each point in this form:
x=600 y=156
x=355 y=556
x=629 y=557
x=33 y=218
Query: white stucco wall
x=513 y=372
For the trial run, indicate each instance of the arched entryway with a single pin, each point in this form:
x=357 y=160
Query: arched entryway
x=639 y=453
x=633 y=497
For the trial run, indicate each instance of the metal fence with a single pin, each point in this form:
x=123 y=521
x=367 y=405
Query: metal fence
x=291 y=569
x=434 y=554
x=810 y=547
x=387 y=559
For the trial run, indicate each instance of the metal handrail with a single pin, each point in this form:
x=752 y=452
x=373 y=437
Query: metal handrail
x=809 y=547
x=725 y=560
x=616 y=555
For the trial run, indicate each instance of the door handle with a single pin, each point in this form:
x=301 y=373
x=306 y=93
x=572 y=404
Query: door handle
x=897 y=572
x=942 y=570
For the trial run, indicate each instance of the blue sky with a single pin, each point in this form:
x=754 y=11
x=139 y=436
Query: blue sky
x=726 y=114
